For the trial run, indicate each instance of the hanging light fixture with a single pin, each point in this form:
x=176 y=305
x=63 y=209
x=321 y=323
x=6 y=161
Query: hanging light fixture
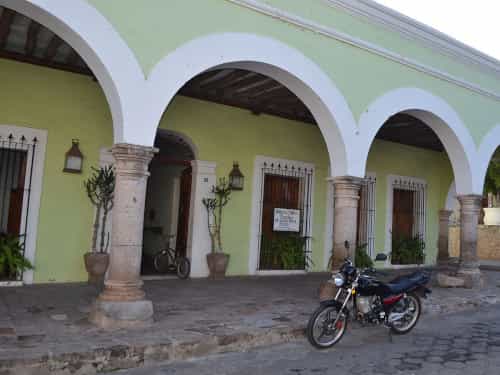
x=74 y=158
x=236 y=178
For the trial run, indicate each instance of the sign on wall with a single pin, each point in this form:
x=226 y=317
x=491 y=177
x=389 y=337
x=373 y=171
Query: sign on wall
x=286 y=220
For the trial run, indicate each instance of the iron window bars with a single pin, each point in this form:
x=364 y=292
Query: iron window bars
x=305 y=181
x=17 y=155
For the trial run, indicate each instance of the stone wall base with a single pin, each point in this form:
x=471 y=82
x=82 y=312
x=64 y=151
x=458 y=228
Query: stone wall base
x=116 y=315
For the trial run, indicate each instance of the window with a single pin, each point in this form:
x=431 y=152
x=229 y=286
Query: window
x=366 y=215
x=284 y=212
x=406 y=211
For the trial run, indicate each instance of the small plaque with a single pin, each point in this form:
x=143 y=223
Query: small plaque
x=286 y=220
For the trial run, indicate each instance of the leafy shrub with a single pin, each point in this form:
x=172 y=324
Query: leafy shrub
x=285 y=252
x=12 y=260
x=408 y=250
x=362 y=259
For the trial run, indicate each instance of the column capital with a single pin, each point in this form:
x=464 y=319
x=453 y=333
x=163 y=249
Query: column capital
x=127 y=151
x=470 y=203
x=444 y=215
x=347 y=187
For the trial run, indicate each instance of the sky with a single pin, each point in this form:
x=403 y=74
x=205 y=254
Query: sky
x=473 y=22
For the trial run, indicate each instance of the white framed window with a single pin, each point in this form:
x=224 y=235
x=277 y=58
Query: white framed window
x=27 y=145
x=406 y=209
x=367 y=214
x=279 y=184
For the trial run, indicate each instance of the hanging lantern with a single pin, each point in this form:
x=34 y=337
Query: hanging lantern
x=74 y=158
x=236 y=178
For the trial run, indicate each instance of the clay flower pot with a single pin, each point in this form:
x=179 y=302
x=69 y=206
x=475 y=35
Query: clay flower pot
x=96 y=265
x=217 y=265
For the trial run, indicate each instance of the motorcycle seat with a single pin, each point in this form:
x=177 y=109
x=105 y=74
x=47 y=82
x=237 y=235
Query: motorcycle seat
x=404 y=283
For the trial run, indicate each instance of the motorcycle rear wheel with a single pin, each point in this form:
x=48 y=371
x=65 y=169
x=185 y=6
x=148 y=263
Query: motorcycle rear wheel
x=321 y=325
x=411 y=304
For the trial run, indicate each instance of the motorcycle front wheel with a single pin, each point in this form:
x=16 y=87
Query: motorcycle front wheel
x=324 y=330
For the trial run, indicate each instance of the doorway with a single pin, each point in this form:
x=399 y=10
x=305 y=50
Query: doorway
x=168 y=199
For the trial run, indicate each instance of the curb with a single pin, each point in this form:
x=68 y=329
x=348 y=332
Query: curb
x=121 y=357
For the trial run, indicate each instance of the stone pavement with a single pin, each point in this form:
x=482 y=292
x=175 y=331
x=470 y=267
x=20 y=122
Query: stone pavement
x=464 y=344
x=45 y=327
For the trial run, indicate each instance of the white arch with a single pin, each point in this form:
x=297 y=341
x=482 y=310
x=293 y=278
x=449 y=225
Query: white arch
x=489 y=144
x=102 y=48
x=263 y=55
x=435 y=113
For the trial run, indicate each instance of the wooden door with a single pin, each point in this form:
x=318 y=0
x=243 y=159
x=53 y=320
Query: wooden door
x=184 y=205
x=279 y=192
x=403 y=214
x=16 y=193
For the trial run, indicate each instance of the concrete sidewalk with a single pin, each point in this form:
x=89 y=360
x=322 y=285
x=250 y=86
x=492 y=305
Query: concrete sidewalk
x=44 y=328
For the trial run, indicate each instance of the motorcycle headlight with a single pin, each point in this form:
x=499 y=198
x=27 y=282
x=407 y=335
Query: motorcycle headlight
x=338 y=279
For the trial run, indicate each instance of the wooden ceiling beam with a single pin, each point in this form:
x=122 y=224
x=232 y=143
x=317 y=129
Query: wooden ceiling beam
x=6 y=20
x=32 y=38
x=52 y=48
x=221 y=83
x=72 y=58
x=49 y=64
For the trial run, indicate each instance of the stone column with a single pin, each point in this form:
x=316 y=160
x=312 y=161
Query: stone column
x=444 y=229
x=122 y=304
x=470 y=207
x=346 y=198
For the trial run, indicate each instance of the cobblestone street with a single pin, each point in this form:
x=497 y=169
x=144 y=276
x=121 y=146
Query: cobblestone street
x=461 y=343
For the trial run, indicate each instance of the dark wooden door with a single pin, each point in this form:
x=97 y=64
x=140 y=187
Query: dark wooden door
x=403 y=214
x=279 y=192
x=17 y=195
x=184 y=205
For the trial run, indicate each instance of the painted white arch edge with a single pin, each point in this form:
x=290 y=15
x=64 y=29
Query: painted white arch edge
x=104 y=51
x=438 y=115
x=263 y=55
x=489 y=144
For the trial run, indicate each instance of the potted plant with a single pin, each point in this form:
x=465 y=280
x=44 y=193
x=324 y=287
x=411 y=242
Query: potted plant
x=100 y=187
x=492 y=189
x=217 y=260
x=12 y=260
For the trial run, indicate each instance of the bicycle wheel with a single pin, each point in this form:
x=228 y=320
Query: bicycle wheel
x=161 y=262
x=183 y=268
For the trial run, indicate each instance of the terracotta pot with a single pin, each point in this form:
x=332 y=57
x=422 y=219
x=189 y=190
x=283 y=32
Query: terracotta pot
x=217 y=265
x=96 y=265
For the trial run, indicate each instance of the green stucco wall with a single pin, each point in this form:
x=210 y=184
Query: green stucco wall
x=72 y=106
x=67 y=106
x=159 y=27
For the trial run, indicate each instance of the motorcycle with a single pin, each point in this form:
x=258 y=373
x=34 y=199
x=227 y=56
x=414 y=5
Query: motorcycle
x=395 y=304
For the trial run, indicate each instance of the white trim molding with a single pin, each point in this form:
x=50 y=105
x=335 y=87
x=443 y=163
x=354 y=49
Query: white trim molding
x=266 y=56
x=414 y=30
x=364 y=45
x=198 y=243
x=489 y=144
x=255 y=222
x=435 y=113
x=391 y=180
x=37 y=170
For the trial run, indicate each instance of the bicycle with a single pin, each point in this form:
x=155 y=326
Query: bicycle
x=168 y=260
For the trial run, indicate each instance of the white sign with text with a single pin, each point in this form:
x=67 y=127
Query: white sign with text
x=286 y=220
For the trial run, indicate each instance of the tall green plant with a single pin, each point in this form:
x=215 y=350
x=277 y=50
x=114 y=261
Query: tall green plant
x=215 y=205
x=12 y=260
x=492 y=181
x=100 y=188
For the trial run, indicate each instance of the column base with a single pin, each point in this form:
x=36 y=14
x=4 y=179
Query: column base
x=471 y=276
x=126 y=314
